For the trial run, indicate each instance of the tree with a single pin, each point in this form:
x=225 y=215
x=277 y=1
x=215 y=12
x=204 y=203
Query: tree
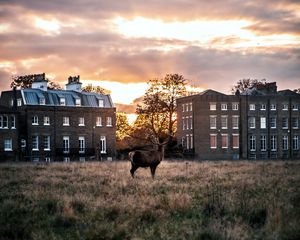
x=123 y=126
x=297 y=90
x=244 y=84
x=96 y=89
x=157 y=113
x=25 y=81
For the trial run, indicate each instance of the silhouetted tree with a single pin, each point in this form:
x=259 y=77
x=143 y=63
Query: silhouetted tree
x=297 y=90
x=244 y=84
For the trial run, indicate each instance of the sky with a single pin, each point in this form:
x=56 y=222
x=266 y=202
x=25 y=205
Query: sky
x=120 y=45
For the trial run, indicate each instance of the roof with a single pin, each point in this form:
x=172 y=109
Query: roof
x=288 y=92
x=211 y=92
x=52 y=98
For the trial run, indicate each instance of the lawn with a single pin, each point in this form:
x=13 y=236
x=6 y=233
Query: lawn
x=186 y=200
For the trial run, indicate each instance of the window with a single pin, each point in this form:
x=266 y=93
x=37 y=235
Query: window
x=191 y=106
x=5 y=121
x=19 y=102
x=47 y=143
x=23 y=143
x=191 y=122
x=285 y=123
x=224 y=120
x=273 y=143
x=1 y=121
x=263 y=143
x=78 y=102
x=285 y=107
x=191 y=141
x=273 y=122
x=213 y=140
x=224 y=140
x=183 y=123
x=235 y=106
x=13 y=121
x=35 y=143
x=235 y=141
x=103 y=144
x=252 y=106
x=81 y=141
x=66 y=159
x=66 y=121
x=8 y=144
x=187 y=123
x=213 y=122
x=295 y=107
x=81 y=159
x=186 y=107
x=100 y=103
x=252 y=143
x=285 y=142
x=273 y=107
x=47 y=159
x=42 y=101
x=263 y=107
x=235 y=122
x=81 y=121
x=251 y=122
x=295 y=143
x=224 y=106
x=108 y=121
x=62 y=101
x=213 y=106
x=35 y=120
x=187 y=142
x=98 y=121
x=295 y=123
x=46 y=120
x=66 y=144
x=263 y=124
x=183 y=109
x=11 y=102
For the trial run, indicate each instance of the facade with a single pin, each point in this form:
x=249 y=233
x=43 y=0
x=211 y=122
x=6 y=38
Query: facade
x=261 y=123
x=58 y=125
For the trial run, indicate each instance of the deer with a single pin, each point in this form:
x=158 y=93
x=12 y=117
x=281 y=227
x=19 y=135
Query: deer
x=146 y=158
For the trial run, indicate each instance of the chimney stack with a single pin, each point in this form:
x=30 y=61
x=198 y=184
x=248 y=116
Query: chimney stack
x=74 y=84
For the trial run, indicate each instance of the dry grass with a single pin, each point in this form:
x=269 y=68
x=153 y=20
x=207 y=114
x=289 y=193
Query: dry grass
x=187 y=200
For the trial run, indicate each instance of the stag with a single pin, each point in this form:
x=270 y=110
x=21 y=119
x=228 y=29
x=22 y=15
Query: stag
x=144 y=159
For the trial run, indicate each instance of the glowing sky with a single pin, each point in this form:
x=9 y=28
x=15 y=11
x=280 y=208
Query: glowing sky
x=120 y=45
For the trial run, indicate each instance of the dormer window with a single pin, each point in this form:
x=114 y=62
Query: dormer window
x=62 y=101
x=224 y=106
x=78 y=102
x=19 y=102
x=100 y=103
x=42 y=101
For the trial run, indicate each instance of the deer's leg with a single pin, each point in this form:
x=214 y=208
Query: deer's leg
x=153 y=168
x=133 y=169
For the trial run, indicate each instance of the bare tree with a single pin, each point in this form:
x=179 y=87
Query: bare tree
x=244 y=84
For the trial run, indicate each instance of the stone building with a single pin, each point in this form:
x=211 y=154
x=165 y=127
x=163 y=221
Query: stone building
x=261 y=123
x=58 y=125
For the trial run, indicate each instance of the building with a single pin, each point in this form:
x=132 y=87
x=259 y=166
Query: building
x=38 y=124
x=261 y=123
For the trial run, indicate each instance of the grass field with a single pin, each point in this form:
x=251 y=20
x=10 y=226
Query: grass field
x=187 y=200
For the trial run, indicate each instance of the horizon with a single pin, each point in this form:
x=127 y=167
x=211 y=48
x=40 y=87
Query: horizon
x=121 y=46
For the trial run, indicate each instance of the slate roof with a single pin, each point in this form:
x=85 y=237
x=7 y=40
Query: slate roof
x=52 y=98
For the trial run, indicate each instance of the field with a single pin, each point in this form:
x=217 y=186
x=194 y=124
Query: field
x=186 y=200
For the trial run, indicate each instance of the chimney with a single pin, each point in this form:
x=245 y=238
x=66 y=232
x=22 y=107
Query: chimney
x=74 y=84
x=40 y=82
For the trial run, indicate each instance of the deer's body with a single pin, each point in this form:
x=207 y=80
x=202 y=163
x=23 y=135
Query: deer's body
x=143 y=158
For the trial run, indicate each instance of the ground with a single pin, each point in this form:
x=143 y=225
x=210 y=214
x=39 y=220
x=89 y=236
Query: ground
x=186 y=200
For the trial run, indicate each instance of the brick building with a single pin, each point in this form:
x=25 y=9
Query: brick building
x=57 y=125
x=261 y=123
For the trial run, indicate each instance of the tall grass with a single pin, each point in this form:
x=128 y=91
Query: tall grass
x=186 y=200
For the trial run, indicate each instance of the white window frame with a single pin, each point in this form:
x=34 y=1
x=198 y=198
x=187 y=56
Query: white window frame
x=46 y=120
x=103 y=144
x=13 y=122
x=66 y=144
x=263 y=122
x=285 y=106
x=213 y=121
x=5 y=122
x=77 y=102
x=224 y=107
x=295 y=107
x=285 y=142
x=212 y=106
x=224 y=124
x=235 y=106
x=187 y=107
x=187 y=123
x=100 y=103
x=81 y=142
x=285 y=120
x=191 y=122
x=98 y=121
x=252 y=143
x=81 y=121
x=66 y=121
x=235 y=122
x=295 y=142
x=224 y=136
x=62 y=101
x=1 y=121
x=213 y=135
x=252 y=123
x=19 y=102
x=191 y=141
x=8 y=145
x=35 y=120
x=66 y=159
x=187 y=141
x=108 y=121
x=263 y=107
x=263 y=143
x=273 y=107
x=236 y=135
x=295 y=120
x=273 y=140
x=271 y=122
x=35 y=142
x=191 y=107
x=42 y=101
x=47 y=143
x=252 y=106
